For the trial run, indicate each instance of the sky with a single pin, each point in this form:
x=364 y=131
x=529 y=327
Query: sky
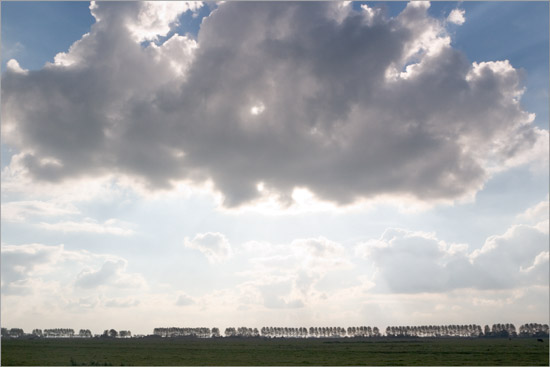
x=274 y=164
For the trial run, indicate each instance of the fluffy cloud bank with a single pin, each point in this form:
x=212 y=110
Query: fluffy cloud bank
x=285 y=276
x=415 y=262
x=31 y=268
x=348 y=104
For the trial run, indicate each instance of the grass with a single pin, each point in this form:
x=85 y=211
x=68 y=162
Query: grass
x=279 y=352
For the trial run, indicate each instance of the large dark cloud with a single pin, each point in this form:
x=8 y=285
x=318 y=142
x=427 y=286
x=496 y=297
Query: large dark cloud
x=349 y=104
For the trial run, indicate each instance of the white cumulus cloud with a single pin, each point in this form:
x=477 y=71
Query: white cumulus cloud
x=456 y=16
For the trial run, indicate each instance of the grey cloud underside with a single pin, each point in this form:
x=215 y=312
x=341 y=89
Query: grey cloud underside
x=91 y=279
x=332 y=121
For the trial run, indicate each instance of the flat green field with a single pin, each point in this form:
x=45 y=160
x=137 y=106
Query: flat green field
x=278 y=352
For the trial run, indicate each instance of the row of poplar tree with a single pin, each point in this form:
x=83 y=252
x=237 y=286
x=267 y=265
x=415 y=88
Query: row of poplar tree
x=471 y=330
x=63 y=333
x=271 y=332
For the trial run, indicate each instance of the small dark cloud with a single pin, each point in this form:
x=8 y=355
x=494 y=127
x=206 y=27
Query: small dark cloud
x=184 y=300
x=112 y=273
x=106 y=274
x=213 y=245
x=121 y=303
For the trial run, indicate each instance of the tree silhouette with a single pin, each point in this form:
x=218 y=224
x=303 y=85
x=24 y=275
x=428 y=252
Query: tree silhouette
x=58 y=333
x=16 y=333
x=533 y=329
x=125 y=334
x=85 y=333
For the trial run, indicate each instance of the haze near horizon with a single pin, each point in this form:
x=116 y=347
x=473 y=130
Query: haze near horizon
x=260 y=164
